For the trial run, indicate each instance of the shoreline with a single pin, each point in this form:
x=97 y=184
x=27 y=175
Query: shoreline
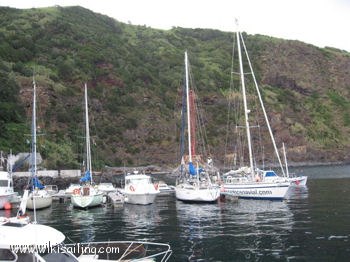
x=115 y=175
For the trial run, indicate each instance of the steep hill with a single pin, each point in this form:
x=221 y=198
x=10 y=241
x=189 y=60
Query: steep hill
x=134 y=74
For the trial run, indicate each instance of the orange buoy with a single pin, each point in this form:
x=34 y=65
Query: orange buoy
x=7 y=206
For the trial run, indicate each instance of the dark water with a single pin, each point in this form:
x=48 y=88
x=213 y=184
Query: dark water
x=313 y=224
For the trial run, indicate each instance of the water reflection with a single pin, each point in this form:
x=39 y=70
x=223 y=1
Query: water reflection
x=297 y=192
x=197 y=223
x=84 y=223
x=41 y=214
x=140 y=220
x=260 y=228
x=245 y=230
x=311 y=225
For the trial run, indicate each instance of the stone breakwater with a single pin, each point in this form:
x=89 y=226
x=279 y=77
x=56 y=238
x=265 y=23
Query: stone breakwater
x=64 y=178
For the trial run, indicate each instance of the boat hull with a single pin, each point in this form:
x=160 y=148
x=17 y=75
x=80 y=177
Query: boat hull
x=193 y=194
x=140 y=199
x=6 y=199
x=258 y=190
x=298 y=181
x=41 y=201
x=87 y=201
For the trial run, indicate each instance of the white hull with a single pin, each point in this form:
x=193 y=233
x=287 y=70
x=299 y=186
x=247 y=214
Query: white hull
x=165 y=189
x=6 y=190
x=140 y=199
x=41 y=201
x=6 y=199
x=257 y=190
x=298 y=181
x=189 y=193
x=139 y=189
x=106 y=187
x=87 y=201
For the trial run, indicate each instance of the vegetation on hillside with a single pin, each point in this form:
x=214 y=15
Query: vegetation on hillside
x=134 y=74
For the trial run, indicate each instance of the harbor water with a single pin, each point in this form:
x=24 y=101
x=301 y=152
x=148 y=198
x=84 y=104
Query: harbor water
x=312 y=224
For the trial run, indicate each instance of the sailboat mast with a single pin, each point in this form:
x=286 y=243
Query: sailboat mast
x=188 y=109
x=264 y=111
x=246 y=111
x=87 y=133
x=34 y=167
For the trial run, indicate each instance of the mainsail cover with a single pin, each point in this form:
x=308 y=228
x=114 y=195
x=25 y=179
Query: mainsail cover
x=87 y=177
x=37 y=184
x=194 y=171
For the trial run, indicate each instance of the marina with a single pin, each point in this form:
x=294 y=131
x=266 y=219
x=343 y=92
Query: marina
x=123 y=142
x=309 y=225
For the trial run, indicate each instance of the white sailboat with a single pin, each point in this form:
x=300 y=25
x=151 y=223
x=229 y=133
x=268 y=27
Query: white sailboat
x=38 y=198
x=250 y=181
x=23 y=240
x=87 y=195
x=194 y=184
x=139 y=189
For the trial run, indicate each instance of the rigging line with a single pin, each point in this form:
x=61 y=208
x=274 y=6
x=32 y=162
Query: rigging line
x=178 y=152
x=201 y=126
x=229 y=101
x=199 y=115
x=262 y=106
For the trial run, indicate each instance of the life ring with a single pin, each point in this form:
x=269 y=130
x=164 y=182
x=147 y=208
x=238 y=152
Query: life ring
x=132 y=188
x=76 y=191
x=156 y=186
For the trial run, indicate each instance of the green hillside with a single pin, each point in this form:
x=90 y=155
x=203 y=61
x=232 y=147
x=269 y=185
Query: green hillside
x=134 y=74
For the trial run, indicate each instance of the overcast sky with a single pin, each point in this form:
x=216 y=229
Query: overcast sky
x=318 y=22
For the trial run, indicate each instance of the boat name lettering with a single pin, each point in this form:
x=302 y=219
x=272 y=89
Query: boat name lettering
x=249 y=192
x=74 y=248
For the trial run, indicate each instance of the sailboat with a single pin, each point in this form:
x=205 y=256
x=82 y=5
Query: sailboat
x=87 y=195
x=250 y=181
x=193 y=184
x=38 y=198
x=25 y=240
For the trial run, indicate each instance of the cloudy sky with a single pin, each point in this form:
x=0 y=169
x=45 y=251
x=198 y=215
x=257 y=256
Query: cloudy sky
x=318 y=22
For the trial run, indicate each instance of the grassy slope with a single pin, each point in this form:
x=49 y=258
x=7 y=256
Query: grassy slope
x=133 y=75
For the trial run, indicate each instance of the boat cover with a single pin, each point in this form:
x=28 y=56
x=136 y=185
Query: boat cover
x=87 y=177
x=194 y=171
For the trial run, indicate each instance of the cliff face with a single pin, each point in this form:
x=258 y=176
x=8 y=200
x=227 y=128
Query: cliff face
x=134 y=74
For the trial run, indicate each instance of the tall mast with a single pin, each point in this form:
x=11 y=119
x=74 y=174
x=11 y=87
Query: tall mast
x=188 y=109
x=34 y=167
x=264 y=111
x=246 y=111
x=87 y=133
